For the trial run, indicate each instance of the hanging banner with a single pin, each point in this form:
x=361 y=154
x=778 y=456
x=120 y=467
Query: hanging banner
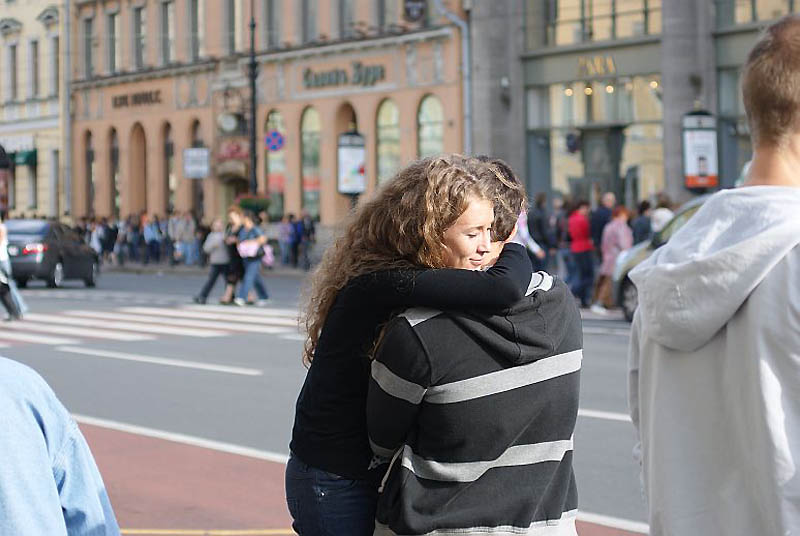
x=700 y=166
x=352 y=156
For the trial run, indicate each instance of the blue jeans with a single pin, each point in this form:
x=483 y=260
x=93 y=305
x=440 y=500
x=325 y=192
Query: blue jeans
x=324 y=504
x=582 y=287
x=252 y=278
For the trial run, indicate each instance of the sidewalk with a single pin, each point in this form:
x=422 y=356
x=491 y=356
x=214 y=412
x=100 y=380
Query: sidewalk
x=165 y=268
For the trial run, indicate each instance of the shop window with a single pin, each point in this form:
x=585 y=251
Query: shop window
x=114 y=160
x=90 y=173
x=576 y=21
x=198 y=197
x=276 y=164
x=310 y=131
x=170 y=180
x=430 y=127
x=388 y=140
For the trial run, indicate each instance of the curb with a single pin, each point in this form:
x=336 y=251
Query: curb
x=164 y=269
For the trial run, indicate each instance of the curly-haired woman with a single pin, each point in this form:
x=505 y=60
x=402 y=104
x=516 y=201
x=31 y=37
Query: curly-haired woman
x=437 y=213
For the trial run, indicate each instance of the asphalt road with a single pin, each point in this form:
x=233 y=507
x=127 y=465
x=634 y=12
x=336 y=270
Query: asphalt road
x=194 y=378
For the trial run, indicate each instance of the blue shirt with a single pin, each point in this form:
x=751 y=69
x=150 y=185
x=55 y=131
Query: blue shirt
x=49 y=483
x=251 y=234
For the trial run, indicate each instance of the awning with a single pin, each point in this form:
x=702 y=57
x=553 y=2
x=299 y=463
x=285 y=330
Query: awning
x=25 y=158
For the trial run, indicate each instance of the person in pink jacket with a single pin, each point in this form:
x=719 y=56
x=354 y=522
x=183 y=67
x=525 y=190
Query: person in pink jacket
x=617 y=237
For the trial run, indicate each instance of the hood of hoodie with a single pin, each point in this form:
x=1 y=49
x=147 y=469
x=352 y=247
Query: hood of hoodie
x=544 y=323
x=690 y=287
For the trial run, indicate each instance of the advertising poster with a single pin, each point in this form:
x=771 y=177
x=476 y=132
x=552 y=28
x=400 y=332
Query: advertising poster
x=352 y=155
x=700 y=166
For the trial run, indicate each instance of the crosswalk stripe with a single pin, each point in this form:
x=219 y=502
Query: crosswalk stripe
x=237 y=326
x=131 y=326
x=164 y=311
x=154 y=360
x=34 y=338
x=4 y=345
x=30 y=324
x=257 y=311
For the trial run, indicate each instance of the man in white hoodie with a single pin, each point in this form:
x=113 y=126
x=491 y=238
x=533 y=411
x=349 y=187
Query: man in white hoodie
x=714 y=385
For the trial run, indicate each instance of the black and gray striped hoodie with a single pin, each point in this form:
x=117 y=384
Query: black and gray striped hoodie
x=476 y=413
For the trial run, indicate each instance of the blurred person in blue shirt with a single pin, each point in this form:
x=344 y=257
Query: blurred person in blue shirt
x=49 y=482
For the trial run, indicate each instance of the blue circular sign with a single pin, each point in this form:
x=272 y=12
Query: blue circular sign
x=274 y=140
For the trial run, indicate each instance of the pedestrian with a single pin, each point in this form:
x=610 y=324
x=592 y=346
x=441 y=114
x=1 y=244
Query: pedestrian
x=539 y=229
x=375 y=267
x=581 y=248
x=49 y=482
x=663 y=213
x=562 y=207
x=297 y=239
x=478 y=391
x=715 y=343
x=96 y=237
x=285 y=230
x=7 y=285
x=187 y=229
x=617 y=237
x=250 y=245
x=217 y=251
x=642 y=229
x=118 y=250
x=599 y=218
x=235 y=264
x=134 y=237
x=153 y=236
x=171 y=245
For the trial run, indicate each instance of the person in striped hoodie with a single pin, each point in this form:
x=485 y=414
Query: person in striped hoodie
x=475 y=413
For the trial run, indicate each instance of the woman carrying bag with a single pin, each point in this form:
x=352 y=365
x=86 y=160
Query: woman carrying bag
x=250 y=246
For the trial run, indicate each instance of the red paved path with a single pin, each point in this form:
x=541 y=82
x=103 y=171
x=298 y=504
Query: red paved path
x=159 y=484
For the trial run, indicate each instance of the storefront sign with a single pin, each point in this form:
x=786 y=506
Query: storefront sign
x=136 y=99
x=589 y=66
x=196 y=163
x=352 y=155
x=700 y=150
x=360 y=75
x=233 y=149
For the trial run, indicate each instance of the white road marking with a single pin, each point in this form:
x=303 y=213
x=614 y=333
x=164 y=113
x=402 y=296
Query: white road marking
x=35 y=338
x=4 y=345
x=239 y=326
x=614 y=522
x=607 y=415
x=184 y=439
x=163 y=311
x=233 y=309
x=30 y=324
x=155 y=360
x=130 y=326
x=619 y=332
x=294 y=337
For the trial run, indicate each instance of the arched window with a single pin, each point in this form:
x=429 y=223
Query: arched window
x=114 y=161
x=90 y=174
x=275 y=163
x=170 y=180
x=310 y=128
x=198 y=198
x=430 y=127
x=388 y=140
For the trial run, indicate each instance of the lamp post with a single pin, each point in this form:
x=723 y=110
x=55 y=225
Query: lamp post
x=253 y=159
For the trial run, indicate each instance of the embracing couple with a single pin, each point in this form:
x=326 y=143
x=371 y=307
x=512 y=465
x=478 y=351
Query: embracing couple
x=442 y=389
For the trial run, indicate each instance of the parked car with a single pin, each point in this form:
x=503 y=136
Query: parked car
x=624 y=290
x=50 y=251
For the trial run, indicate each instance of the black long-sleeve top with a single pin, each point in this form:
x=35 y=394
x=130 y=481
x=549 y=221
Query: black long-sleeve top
x=330 y=430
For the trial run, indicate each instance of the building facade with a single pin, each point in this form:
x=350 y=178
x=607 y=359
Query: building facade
x=32 y=98
x=606 y=84
x=153 y=78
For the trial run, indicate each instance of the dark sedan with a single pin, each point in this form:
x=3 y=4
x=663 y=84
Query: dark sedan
x=50 y=251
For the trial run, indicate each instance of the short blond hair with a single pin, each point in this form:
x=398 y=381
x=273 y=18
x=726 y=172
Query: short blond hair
x=771 y=83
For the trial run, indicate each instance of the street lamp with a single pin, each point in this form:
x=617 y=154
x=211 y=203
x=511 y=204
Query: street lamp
x=253 y=159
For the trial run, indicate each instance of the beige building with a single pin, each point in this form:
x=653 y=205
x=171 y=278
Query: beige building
x=156 y=77
x=31 y=101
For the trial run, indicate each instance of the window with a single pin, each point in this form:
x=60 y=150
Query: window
x=114 y=49
x=730 y=12
x=230 y=19
x=34 y=68
x=33 y=186
x=430 y=127
x=276 y=165
x=167 y=32
x=198 y=199
x=272 y=25
x=12 y=66
x=577 y=21
x=310 y=131
x=114 y=159
x=388 y=139
x=198 y=27
x=139 y=36
x=55 y=67
x=346 y=18
x=90 y=175
x=88 y=38
x=308 y=16
x=386 y=13
x=170 y=180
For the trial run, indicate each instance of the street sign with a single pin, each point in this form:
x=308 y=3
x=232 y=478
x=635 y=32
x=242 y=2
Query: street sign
x=274 y=140
x=196 y=163
x=700 y=167
x=352 y=155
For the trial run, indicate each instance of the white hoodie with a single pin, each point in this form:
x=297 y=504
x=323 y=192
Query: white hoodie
x=714 y=387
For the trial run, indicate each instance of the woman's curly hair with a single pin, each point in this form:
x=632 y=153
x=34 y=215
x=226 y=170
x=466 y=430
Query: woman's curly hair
x=400 y=227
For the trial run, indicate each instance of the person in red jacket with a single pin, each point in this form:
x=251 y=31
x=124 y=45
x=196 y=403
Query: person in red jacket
x=581 y=247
